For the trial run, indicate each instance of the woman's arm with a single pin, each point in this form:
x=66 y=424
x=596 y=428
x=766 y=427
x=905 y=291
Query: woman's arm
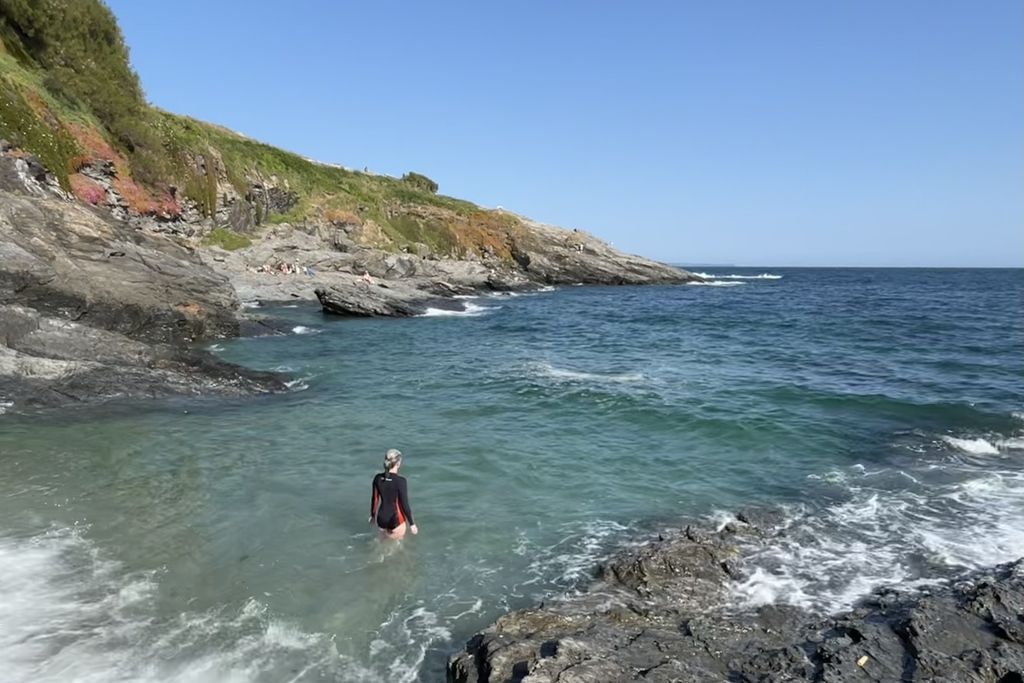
x=374 y=499
x=403 y=501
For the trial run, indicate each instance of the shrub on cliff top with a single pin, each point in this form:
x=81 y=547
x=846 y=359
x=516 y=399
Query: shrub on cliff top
x=420 y=182
x=69 y=95
x=79 y=46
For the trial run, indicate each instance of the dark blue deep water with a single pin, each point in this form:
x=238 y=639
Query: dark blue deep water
x=882 y=410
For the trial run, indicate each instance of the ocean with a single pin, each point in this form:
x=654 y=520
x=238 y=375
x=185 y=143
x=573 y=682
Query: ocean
x=880 y=410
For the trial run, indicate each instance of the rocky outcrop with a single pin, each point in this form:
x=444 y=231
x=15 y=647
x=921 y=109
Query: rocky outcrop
x=361 y=298
x=322 y=260
x=25 y=173
x=98 y=300
x=557 y=256
x=91 y=308
x=660 y=613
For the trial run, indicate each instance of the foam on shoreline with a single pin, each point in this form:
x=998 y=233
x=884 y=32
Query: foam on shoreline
x=72 y=615
x=890 y=527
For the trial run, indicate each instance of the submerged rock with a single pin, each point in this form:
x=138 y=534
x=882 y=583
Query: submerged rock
x=660 y=612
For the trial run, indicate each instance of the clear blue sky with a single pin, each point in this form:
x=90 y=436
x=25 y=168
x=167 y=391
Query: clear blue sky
x=768 y=133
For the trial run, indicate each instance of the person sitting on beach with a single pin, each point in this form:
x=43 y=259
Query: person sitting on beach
x=389 y=500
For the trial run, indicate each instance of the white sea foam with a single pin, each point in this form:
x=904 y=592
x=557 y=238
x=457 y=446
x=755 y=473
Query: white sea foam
x=762 y=276
x=4 y=405
x=70 y=615
x=302 y=329
x=252 y=304
x=1013 y=444
x=976 y=446
x=716 y=283
x=471 y=310
x=907 y=534
x=547 y=370
x=571 y=560
x=299 y=383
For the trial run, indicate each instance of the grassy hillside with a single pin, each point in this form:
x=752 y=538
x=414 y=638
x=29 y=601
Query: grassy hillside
x=68 y=95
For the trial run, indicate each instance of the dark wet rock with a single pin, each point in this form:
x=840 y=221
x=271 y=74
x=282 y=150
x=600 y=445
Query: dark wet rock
x=950 y=633
x=660 y=612
x=361 y=298
x=264 y=326
x=765 y=519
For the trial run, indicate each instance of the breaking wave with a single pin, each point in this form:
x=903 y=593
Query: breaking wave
x=891 y=527
x=546 y=369
x=981 y=446
x=299 y=383
x=976 y=446
x=762 y=276
x=716 y=283
x=471 y=310
x=71 y=615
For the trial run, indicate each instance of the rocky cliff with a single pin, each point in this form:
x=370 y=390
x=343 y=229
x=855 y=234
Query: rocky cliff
x=93 y=308
x=128 y=234
x=661 y=612
x=68 y=96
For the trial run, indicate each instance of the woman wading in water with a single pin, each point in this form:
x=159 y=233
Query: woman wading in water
x=389 y=499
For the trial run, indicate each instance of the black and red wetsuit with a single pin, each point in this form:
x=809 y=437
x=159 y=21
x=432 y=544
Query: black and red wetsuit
x=389 y=501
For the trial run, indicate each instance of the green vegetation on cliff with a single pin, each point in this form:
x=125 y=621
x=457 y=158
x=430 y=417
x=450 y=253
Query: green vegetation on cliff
x=68 y=94
x=225 y=238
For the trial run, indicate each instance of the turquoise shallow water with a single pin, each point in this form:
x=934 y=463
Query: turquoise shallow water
x=208 y=540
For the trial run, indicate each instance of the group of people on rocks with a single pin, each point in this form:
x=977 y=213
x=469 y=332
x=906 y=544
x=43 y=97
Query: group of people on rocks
x=282 y=268
x=285 y=268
